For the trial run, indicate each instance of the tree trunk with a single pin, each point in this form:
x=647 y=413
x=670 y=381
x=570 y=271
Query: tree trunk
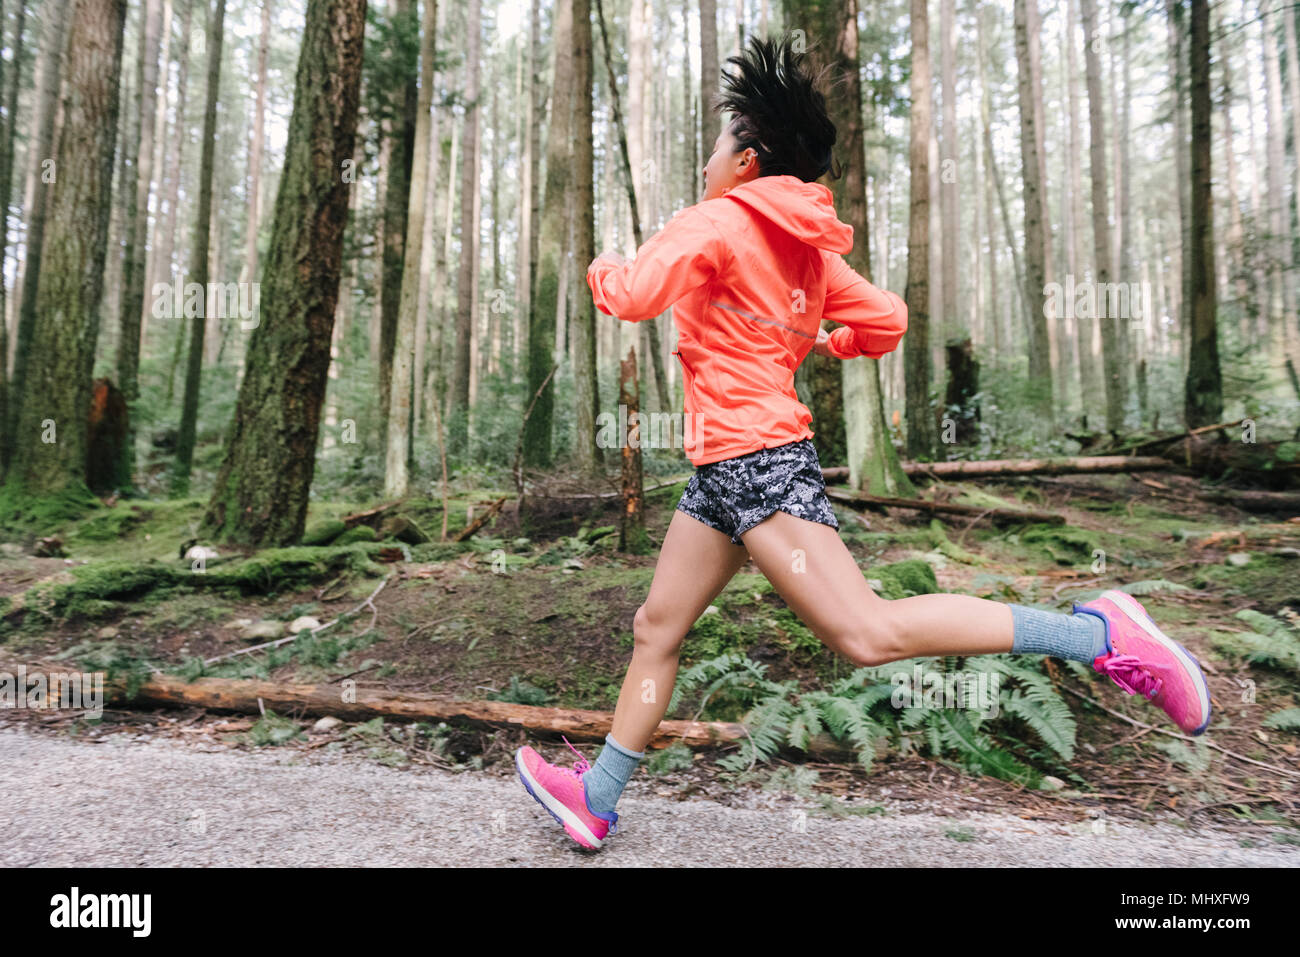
x=550 y=246
x=6 y=187
x=40 y=176
x=167 y=239
x=397 y=194
x=632 y=533
x=397 y=444
x=585 y=381
x=1102 y=254
x=710 y=76
x=50 y=443
x=137 y=188
x=257 y=138
x=262 y=488
x=458 y=427
x=1283 y=303
x=1037 y=230
x=916 y=350
x=1204 y=390
x=948 y=325
x=180 y=484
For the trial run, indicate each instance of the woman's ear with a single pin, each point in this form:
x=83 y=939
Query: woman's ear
x=748 y=163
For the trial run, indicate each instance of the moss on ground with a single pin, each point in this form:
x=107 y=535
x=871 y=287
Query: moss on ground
x=90 y=591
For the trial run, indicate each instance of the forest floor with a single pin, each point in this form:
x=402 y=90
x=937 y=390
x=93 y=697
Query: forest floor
x=547 y=620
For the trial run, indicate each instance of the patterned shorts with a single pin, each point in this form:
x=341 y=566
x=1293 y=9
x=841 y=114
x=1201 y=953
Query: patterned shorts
x=734 y=495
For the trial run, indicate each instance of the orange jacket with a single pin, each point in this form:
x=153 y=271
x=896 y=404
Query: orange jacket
x=750 y=276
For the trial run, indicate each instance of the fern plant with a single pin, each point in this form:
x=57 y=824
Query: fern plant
x=859 y=710
x=1275 y=641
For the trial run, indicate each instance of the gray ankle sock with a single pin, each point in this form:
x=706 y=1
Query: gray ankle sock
x=1080 y=636
x=609 y=775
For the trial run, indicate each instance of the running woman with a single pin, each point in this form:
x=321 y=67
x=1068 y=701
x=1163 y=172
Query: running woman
x=751 y=271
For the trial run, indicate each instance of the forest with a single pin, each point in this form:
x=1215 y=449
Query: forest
x=301 y=380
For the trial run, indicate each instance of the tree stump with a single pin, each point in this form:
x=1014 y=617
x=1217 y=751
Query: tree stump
x=106 y=435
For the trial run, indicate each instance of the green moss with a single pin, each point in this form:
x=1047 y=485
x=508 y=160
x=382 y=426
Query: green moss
x=361 y=533
x=1065 y=544
x=906 y=578
x=26 y=515
x=945 y=546
x=95 y=587
x=322 y=533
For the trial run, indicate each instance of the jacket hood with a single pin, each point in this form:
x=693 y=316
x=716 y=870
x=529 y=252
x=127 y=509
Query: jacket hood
x=804 y=210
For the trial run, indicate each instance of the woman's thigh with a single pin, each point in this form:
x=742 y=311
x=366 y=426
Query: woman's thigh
x=812 y=569
x=695 y=564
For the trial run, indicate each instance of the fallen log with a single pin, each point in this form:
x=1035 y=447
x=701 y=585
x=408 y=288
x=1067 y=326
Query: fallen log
x=1255 y=501
x=1000 y=515
x=249 y=697
x=369 y=516
x=1009 y=467
x=469 y=530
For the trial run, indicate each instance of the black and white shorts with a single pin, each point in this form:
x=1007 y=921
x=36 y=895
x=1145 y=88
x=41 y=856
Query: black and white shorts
x=734 y=495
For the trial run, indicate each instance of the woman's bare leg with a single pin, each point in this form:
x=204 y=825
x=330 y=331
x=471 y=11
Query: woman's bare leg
x=695 y=564
x=813 y=570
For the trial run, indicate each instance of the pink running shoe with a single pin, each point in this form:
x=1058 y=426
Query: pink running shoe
x=1140 y=658
x=561 y=792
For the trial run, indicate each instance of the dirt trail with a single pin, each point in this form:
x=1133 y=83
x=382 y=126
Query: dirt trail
x=131 y=800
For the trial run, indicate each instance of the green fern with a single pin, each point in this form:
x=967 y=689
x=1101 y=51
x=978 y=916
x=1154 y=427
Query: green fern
x=1274 y=642
x=1285 y=720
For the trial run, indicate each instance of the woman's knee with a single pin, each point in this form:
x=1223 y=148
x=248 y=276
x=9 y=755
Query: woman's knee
x=655 y=632
x=876 y=639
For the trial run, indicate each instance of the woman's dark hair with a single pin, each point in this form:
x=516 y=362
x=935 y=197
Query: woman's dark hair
x=778 y=109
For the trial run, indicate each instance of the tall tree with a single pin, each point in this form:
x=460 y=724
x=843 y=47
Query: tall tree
x=180 y=484
x=262 y=487
x=138 y=186
x=1102 y=253
x=256 y=140
x=458 y=427
x=6 y=185
x=1282 y=311
x=916 y=349
x=585 y=381
x=50 y=442
x=398 y=440
x=550 y=246
x=1204 y=391
x=847 y=402
x=40 y=177
x=948 y=325
x=399 y=126
x=166 y=233
x=710 y=122
x=1037 y=235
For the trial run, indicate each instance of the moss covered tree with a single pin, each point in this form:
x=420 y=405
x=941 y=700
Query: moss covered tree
x=50 y=440
x=262 y=487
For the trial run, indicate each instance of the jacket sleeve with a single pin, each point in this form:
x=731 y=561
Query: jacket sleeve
x=688 y=252
x=874 y=319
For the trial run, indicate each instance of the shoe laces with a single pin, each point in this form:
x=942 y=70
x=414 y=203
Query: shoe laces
x=1128 y=672
x=580 y=767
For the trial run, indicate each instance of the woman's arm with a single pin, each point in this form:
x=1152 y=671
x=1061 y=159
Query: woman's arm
x=875 y=319
x=686 y=253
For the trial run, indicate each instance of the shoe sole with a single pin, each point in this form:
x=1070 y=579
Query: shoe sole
x=1135 y=611
x=555 y=808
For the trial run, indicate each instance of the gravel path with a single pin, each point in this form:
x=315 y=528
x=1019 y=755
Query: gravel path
x=124 y=801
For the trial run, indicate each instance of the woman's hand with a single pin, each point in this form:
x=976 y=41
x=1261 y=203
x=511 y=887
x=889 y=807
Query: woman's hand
x=822 y=347
x=613 y=258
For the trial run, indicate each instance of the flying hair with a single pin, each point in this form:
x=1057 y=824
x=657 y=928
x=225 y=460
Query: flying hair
x=778 y=110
